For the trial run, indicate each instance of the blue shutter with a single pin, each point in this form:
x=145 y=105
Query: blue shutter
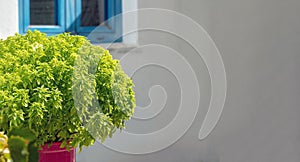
x=110 y=32
x=24 y=19
x=68 y=20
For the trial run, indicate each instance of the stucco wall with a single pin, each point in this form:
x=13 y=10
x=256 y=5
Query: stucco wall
x=259 y=43
x=8 y=18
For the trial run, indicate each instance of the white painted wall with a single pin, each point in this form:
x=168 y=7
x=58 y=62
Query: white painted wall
x=8 y=18
x=259 y=44
x=130 y=21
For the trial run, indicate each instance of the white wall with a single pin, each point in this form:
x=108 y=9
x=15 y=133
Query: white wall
x=8 y=18
x=130 y=21
x=259 y=44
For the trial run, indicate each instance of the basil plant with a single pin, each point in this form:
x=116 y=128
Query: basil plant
x=62 y=88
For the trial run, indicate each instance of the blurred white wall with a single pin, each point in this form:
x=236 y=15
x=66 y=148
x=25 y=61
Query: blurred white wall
x=259 y=43
x=8 y=18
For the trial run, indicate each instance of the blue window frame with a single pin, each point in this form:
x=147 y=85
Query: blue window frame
x=68 y=19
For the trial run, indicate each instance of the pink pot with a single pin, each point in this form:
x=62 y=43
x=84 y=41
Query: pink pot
x=56 y=154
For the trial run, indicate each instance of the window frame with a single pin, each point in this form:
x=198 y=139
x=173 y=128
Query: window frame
x=68 y=19
x=24 y=22
x=111 y=31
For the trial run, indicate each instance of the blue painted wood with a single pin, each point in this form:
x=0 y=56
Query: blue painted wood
x=110 y=32
x=24 y=17
x=70 y=16
x=118 y=35
x=26 y=14
x=21 y=16
x=69 y=12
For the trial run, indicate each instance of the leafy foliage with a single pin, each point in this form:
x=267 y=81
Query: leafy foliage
x=21 y=145
x=4 y=151
x=18 y=146
x=62 y=88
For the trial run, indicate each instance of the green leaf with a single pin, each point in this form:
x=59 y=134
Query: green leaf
x=62 y=88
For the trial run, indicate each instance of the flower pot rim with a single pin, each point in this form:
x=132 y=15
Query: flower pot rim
x=54 y=147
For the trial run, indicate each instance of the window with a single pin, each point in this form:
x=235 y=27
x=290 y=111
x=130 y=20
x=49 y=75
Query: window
x=75 y=16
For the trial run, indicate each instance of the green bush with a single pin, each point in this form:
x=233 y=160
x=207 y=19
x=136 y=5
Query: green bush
x=4 y=151
x=62 y=88
x=18 y=146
